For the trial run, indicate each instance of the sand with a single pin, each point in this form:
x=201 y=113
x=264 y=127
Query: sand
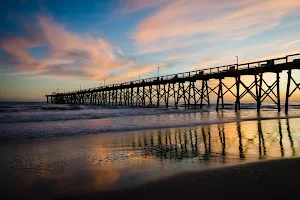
x=261 y=180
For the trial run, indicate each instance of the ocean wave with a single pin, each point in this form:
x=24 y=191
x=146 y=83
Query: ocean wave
x=53 y=112
x=70 y=107
x=64 y=116
x=64 y=130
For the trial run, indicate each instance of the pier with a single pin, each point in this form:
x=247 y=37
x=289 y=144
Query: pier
x=172 y=89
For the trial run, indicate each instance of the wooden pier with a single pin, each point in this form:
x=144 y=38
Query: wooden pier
x=170 y=90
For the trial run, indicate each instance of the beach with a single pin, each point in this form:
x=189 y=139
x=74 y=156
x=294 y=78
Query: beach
x=260 y=180
x=85 y=152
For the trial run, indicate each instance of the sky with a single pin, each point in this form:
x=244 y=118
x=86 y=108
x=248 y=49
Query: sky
x=49 y=45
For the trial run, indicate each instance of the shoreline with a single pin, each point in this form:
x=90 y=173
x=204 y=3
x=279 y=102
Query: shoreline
x=286 y=117
x=256 y=180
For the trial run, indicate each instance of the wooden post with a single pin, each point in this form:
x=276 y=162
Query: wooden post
x=278 y=91
x=131 y=96
x=150 y=95
x=98 y=98
x=91 y=98
x=207 y=93
x=202 y=94
x=194 y=95
x=178 y=95
x=222 y=95
x=158 y=94
x=174 y=95
x=288 y=91
x=237 y=101
x=166 y=95
x=109 y=94
x=137 y=101
x=258 y=100
x=183 y=93
x=143 y=98
x=115 y=97
x=120 y=97
x=189 y=95
x=101 y=98
x=219 y=94
x=256 y=89
x=125 y=96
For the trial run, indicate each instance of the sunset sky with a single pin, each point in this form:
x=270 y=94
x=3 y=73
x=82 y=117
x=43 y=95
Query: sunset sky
x=50 y=44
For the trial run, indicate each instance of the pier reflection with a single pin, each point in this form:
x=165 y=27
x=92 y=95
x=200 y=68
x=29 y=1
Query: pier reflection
x=280 y=140
x=261 y=145
x=219 y=142
x=241 y=150
x=290 y=136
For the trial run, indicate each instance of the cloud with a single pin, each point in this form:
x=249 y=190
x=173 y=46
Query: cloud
x=208 y=63
x=286 y=45
x=249 y=53
x=209 y=20
x=18 y=56
x=68 y=54
x=183 y=55
x=144 y=71
x=176 y=57
x=130 y=6
x=132 y=74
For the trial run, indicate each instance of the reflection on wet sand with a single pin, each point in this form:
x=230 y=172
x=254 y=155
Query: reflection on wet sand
x=119 y=160
x=290 y=136
x=280 y=140
x=242 y=156
x=216 y=141
x=261 y=145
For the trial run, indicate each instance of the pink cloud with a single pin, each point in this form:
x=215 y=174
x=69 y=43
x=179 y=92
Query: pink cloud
x=139 y=71
x=69 y=54
x=17 y=48
x=286 y=45
x=180 y=55
x=208 y=63
x=132 y=74
x=144 y=71
x=210 y=20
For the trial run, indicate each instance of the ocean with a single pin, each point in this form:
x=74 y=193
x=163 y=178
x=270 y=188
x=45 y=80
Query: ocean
x=50 y=150
x=41 y=120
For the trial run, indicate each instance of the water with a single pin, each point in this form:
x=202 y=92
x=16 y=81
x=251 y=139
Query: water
x=40 y=120
x=50 y=150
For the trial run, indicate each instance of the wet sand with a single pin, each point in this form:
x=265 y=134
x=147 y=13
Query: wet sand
x=260 y=180
x=157 y=164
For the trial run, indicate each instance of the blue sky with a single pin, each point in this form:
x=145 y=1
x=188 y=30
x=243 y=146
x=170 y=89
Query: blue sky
x=49 y=44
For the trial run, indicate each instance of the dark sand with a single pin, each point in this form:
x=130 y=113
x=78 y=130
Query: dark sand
x=261 y=180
